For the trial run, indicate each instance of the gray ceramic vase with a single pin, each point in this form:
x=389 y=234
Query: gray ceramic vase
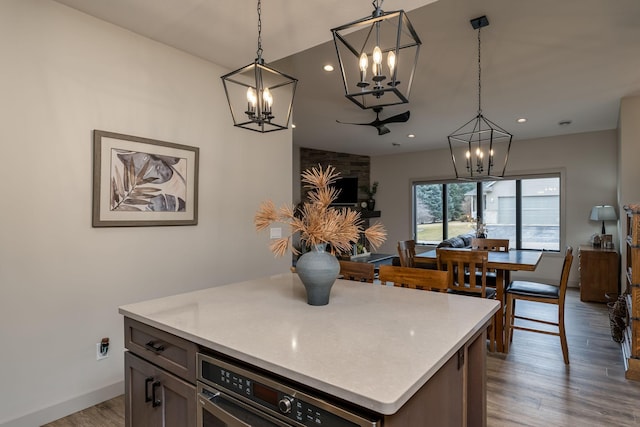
x=318 y=270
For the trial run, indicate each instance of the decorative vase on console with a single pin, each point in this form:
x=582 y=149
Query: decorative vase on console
x=320 y=226
x=371 y=202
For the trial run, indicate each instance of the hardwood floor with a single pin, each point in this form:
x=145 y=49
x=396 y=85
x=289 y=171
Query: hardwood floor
x=105 y=414
x=531 y=386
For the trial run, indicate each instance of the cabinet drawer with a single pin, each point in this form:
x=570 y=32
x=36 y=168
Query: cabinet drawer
x=163 y=349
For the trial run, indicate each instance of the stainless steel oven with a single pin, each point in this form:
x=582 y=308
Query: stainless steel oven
x=230 y=395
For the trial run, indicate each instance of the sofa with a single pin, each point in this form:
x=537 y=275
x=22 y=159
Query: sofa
x=460 y=241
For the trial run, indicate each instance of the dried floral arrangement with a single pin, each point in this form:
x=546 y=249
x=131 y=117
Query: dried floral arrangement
x=316 y=220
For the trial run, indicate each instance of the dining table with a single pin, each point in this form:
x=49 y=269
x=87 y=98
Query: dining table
x=503 y=263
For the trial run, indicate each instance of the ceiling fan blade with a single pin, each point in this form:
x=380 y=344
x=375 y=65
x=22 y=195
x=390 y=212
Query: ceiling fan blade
x=398 y=118
x=350 y=123
x=380 y=124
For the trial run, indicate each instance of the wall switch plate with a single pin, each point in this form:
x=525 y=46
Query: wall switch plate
x=275 y=233
x=99 y=354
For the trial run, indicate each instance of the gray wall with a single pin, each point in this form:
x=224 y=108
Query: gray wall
x=588 y=163
x=61 y=281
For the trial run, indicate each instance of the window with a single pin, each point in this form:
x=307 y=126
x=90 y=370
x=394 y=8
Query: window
x=524 y=210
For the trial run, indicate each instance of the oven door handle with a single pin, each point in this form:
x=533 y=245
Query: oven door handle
x=231 y=420
x=220 y=413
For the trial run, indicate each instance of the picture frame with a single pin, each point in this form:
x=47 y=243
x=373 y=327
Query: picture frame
x=140 y=182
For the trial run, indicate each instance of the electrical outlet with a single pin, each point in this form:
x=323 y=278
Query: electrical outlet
x=100 y=355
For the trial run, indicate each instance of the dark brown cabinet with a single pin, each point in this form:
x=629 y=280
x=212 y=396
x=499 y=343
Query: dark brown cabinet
x=155 y=397
x=159 y=378
x=599 y=273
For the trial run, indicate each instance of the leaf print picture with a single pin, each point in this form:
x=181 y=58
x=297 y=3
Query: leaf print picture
x=147 y=182
x=143 y=182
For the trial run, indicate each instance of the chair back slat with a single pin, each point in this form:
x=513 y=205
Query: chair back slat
x=407 y=253
x=566 y=269
x=459 y=262
x=492 y=245
x=357 y=271
x=415 y=278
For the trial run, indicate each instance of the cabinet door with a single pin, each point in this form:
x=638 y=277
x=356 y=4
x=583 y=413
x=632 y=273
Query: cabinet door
x=139 y=378
x=178 y=401
x=598 y=274
x=154 y=397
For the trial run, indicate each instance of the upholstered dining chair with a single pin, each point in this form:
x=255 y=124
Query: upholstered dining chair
x=358 y=271
x=541 y=293
x=491 y=245
x=407 y=253
x=415 y=278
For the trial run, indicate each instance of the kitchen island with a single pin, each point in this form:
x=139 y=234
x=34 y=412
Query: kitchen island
x=402 y=354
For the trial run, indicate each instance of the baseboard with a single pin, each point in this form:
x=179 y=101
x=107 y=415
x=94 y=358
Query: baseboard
x=63 y=409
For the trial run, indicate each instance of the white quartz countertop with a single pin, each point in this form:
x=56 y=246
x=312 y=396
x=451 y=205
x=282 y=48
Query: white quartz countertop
x=372 y=345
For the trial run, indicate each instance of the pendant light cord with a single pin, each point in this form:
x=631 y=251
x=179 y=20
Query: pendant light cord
x=479 y=76
x=259 y=51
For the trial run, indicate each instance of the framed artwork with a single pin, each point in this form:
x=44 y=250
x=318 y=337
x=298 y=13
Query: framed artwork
x=143 y=182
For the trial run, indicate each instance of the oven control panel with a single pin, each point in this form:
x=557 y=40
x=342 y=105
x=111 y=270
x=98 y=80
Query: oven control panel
x=274 y=397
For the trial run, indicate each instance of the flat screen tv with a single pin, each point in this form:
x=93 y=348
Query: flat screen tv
x=348 y=195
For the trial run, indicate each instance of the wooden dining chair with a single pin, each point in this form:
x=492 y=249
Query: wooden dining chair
x=542 y=293
x=491 y=245
x=494 y=245
x=358 y=271
x=407 y=253
x=463 y=265
x=468 y=276
x=414 y=278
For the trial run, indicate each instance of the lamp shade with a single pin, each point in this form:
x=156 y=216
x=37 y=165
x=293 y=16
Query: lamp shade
x=603 y=213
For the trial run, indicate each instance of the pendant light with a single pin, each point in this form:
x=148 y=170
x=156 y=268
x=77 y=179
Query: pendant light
x=260 y=98
x=480 y=141
x=377 y=56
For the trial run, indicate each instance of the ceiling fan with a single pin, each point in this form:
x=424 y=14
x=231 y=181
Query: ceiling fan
x=380 y=124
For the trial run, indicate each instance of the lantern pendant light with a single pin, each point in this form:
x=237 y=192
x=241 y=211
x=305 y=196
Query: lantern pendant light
x=260 y=98
x=480 y=141
x=377 y=56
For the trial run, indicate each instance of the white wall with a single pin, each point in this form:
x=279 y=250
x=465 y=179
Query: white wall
x=588 y=162
x=64 y=74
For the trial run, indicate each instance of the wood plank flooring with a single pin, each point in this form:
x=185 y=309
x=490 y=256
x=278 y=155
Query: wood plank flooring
x=105 y=414
x=531 y=386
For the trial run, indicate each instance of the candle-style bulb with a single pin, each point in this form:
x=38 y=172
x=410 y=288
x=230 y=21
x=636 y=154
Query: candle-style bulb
x=377 y=55
x=251 y=97
x=268 y=99
x=377 y=58
x=391 y=62
x=364 y=63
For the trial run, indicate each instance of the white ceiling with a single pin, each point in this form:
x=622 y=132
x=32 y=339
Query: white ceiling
x=546 y=60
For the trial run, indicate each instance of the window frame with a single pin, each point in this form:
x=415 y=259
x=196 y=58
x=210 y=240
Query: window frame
x=560 y=174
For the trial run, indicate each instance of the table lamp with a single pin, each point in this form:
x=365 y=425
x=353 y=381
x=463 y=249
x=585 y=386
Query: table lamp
x=603 y=213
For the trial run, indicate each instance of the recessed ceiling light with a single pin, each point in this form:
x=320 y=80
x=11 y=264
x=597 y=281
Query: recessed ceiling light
x=293 y=126
x=521 y=120
x=411 y=135
x=564 y=122
x=328 y=67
